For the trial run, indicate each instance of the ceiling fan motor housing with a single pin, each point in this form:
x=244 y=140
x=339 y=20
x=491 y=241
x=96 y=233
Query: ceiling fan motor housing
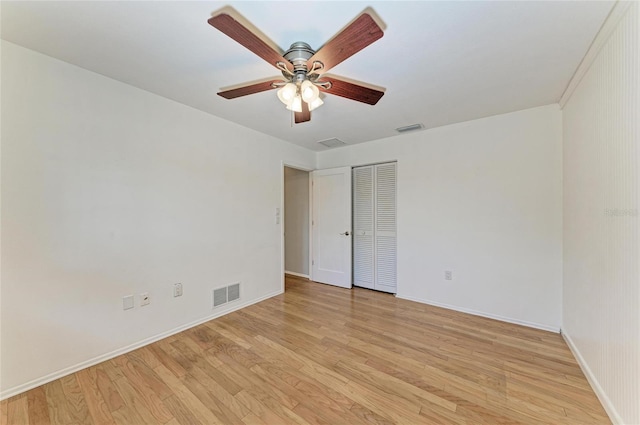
x=298 y=54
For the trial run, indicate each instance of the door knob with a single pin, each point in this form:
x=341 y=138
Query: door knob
x=345 y=233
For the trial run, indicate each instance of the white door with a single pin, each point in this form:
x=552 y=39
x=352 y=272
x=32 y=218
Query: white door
x=331 y=224
x=363 y=227
x=374 y=227
x=385 y=227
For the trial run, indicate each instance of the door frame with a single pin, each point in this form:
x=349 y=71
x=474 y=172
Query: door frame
x=307 y=169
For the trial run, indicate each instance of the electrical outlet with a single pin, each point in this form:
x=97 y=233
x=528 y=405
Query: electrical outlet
x=448 y=275
x=177 y=289
x=127 y=302
x=145 y=299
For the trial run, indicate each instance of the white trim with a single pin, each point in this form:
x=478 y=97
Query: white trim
x=311 y=253
x=306 y=276
x=610 y=24
x=593 y=381
x=99 y=359
x=540 y=326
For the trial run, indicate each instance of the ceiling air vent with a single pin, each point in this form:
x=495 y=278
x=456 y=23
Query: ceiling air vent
x=332 y=143
x=407 y=128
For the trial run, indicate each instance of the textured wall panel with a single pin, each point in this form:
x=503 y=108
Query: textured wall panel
x=601 y=299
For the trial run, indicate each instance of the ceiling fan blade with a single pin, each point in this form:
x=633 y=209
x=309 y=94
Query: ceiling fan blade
x=303 y=116
x=230 y=22
x=357 y=35
x=353 y=91
x=249 y=89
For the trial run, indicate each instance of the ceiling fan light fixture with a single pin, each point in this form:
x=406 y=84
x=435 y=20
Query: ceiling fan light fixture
x=309 y=91
x=296 y=104
x=314 y=104
x=287 y=93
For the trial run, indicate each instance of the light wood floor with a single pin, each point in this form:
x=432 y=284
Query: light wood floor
x=325 y=355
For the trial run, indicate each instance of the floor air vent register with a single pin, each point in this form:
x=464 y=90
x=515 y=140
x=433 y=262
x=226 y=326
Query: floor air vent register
x=226 y=294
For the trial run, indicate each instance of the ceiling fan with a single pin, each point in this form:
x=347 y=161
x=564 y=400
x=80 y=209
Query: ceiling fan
x=303 y=69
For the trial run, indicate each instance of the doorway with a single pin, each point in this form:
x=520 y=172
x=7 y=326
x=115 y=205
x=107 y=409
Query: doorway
x=296 y=223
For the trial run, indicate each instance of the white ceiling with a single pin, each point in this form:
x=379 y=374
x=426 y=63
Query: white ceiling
x=440 y=62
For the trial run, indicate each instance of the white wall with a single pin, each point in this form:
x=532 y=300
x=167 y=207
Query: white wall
x=483 y=199
x=108 y=190
x=601 y=311
x=296 y=221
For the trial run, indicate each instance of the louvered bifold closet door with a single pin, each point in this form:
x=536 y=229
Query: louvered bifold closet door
x=374 y=227
x=385 y=227
x=363 y=216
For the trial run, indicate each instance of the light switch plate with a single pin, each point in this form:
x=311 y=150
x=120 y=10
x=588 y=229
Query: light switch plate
x=127 y=302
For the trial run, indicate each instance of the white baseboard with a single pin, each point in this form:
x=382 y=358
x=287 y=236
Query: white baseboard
x=107 y=356
x=602 y=396
x=540 y=326
x=306 y=276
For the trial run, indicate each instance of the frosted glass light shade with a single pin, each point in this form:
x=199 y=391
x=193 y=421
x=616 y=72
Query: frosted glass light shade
x=309 y=91
x=296 y=104
x=313 y=105
x=287 y=93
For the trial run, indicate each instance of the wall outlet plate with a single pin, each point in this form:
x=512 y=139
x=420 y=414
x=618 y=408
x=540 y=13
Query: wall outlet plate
x=448 y=275
x=177 y=289
x=145 y=299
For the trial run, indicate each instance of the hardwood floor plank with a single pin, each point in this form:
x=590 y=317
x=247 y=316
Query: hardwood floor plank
x=18 y=409
x=4 y=413
x=217 y=390
x=37 y=405
x=252 y=419
x=189 y=399
x=127 y=415
x=109 y=393
x=258 y=409
x=112 y=370
x=200 y=360
x=162 y=350
x=59 y=412
x=230 y=334
x=222 y=411
x=150 y=412
x=145 y=355
x=367 y=416
x=284 y=412
x=147 y=377
x=98 y=409
x=180 y=412
x=252 y=380
x=405 y=389
x=319 y=354
x=133 y=386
